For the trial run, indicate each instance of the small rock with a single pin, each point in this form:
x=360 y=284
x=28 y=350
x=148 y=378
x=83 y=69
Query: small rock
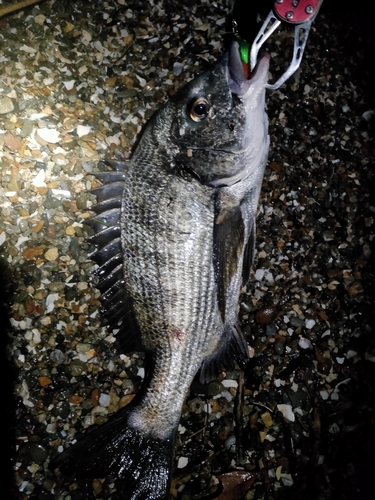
x=44 y=381
x=75 y=399
x=6 y=105
x=32 y=252
x=355 y=288
x=310 y=323
x=12 y=142
x=27 y=128
x=57 y=356
x=230 y=443
x=279 y=346
x=35 y=452
x=61 y=409
x=75 y=248
x=50 y=231
x=127 y=386
x=265 y=315
x=104 y=400
x=52 y=254
x=214 y=388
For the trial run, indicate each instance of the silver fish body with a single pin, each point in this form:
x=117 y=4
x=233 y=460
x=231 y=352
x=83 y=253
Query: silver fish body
x=179 y=246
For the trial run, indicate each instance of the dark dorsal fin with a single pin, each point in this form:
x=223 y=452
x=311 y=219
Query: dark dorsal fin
x=228 y=244
x=117 y=308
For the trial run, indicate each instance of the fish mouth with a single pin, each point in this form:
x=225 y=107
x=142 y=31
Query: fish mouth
x=239 y=84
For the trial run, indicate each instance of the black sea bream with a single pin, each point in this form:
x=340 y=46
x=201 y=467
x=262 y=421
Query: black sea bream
x=175 y=234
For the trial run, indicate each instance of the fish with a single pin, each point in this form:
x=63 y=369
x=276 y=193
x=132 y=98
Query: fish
x=175 y=235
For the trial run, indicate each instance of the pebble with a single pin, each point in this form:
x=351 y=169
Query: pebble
x=36 y=452
x=6 y=105
x=52 y=254
x=77 y=367
x=12 y=142
x=279 y=346
x=57 y=356
x=230 y=443
x=75 y=248
x=265 y=315
x=61 y=409
x=310 y=323
x=104 y=400
x=214 y=388
x=27 y=128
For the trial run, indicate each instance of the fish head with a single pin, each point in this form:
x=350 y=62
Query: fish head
x=216 y=126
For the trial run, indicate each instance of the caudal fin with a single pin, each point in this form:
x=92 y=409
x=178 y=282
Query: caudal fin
x=115 y=449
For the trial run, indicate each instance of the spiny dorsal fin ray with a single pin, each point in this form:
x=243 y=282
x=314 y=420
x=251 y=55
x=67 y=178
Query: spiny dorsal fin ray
x=102 y=254
x=108 y=234
x=108 y=266
x=106 y=205
x=104 y=220
x=117 y=311
x=110 y=279
x=110 y=176
x=110 y=296
x=118 y=165
x=106 y=191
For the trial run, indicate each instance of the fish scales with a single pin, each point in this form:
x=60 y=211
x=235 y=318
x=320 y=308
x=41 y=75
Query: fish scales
x=166 y=283
x=183 y=227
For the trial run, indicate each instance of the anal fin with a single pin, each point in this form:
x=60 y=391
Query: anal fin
x=233 y=348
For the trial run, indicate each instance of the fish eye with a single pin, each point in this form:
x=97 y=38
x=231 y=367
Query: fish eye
x=199 y=109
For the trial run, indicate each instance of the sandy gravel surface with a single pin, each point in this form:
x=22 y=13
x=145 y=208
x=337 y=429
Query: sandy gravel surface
x=78 y=82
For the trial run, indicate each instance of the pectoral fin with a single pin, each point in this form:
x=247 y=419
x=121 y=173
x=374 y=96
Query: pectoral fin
x=229 y=231
x=248 y=257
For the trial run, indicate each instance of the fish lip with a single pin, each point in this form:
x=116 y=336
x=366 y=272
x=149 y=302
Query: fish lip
x=238 y=83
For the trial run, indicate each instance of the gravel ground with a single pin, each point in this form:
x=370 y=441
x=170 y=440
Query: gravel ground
x=78 y=82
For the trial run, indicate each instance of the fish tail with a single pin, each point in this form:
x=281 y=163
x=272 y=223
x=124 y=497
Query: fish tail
x=142 y=462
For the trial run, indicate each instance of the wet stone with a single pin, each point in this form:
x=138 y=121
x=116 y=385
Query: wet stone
x=57 y=356
x=35 y=452
x=296 y=322
x=214 y=388
x=77 y=367
x=71 y=293
x=230 y=443
x=51 y=202
x=27 y=128
x=271 y=330
x=61 y=409
x=6 y=105
x=265 y=315
x=279 y=346
x=8 y=125
x=127 y=386
x=82 y=201
x=75 y=248
x=56 y=286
